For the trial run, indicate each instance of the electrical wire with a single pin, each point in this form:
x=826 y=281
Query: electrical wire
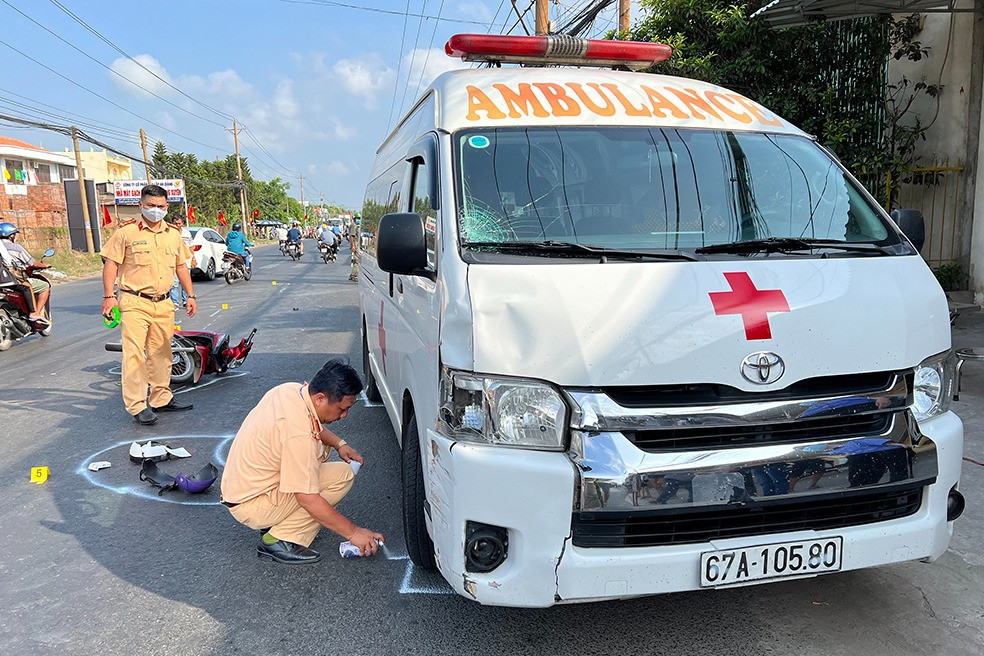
x=122 y=52
x=392 y=12
x=109 y=68
x=399 y=66
x=413 y=58
x=114 y=104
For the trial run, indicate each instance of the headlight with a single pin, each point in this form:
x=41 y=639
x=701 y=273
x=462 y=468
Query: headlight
x=503 y=411
x=934 y=386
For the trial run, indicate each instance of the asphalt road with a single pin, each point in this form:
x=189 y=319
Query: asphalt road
x=98 y=564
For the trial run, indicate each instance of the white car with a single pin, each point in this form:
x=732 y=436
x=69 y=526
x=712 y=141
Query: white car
x=208 y=247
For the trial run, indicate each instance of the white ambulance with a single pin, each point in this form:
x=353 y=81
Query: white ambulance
x=637 y=334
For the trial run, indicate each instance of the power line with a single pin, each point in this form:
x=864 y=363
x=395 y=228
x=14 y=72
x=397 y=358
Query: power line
x=413 y=57
x=67 y=131
x=423 y=69
x=122 y=52
x=399 y=66
x=114 y=104
x=109 y=68
x=392 y=12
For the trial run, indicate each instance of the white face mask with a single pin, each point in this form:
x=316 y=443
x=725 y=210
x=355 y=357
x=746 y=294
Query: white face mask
x=153 y=214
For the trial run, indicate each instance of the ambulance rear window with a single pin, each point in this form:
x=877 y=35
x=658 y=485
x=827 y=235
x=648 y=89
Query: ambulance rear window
x=637 y=187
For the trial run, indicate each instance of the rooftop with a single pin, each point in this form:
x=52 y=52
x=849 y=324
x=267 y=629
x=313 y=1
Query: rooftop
x=10 y=141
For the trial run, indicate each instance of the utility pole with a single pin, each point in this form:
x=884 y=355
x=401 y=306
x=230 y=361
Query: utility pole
x=303 y=211
x=239 y=169
x=87 y=227
x=143 y=144
x=624 y=7
x=542 y=17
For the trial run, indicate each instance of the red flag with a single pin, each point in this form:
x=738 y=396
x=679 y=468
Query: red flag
x=107 y=220
x=191 y=214
x=222 y=218
x=256 y=214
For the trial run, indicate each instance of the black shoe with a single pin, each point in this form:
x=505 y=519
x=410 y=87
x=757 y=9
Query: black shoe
x=145 y=417
x=287 y=553
x=174 y=404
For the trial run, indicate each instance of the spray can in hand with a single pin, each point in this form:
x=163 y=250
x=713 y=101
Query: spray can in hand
x=348 y=550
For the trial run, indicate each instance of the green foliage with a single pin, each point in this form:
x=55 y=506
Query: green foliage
x=826 y=78
x=270 y=197
x=950 y=276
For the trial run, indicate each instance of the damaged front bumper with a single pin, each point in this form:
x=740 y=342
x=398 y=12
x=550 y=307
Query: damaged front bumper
x=542 y=499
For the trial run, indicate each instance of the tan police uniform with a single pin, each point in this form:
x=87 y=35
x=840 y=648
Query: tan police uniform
x=276 y=454
x=147 y=258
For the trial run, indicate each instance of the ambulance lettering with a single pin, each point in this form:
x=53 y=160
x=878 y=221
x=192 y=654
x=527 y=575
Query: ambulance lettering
x=751 y=303
x=551 y=99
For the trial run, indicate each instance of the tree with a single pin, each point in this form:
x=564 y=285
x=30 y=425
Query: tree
x=827 y=78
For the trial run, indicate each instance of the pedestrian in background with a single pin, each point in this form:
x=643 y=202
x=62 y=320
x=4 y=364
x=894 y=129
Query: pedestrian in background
x=178 y=295
x=142 y=258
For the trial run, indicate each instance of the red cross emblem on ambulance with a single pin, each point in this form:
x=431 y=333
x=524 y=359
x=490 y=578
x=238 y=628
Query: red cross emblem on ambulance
x=754 y=305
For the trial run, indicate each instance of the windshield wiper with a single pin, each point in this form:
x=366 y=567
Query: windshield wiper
x=575 y=249
x=789 y=244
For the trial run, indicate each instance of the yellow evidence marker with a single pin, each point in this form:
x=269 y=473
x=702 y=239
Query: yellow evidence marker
x=39 y=475
x=225 y=306
x=177 y=326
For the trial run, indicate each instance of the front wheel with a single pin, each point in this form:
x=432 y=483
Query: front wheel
x=248 y=273
x=182 y=364
x=420 y=547
x=6 y=332
x=47 y=329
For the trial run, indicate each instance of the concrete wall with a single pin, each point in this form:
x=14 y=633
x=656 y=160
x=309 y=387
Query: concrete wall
x=956 y=60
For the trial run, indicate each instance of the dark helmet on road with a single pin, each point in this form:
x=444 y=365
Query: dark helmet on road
x=8 y=230
x=237 y=226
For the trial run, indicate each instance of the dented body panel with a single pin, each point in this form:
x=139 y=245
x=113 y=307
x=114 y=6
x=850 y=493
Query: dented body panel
x=610 y=336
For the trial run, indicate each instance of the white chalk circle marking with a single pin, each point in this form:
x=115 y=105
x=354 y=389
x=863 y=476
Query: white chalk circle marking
x=144 y=490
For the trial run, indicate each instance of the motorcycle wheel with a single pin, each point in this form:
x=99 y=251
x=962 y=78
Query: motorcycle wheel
x=230 y=277
x=182 y=364
x=6 y=333
x=248 y=274
x=47 y=330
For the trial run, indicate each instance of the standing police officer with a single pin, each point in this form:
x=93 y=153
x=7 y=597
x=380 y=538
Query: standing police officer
x=142 y=258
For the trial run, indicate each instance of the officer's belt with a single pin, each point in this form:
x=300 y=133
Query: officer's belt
x=149 y=297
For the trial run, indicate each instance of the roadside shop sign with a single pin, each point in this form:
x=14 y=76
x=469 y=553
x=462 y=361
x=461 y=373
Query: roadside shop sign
x=127 y=192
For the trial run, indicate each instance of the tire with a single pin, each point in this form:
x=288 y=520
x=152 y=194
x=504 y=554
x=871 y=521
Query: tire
x=372 y=389
x=47 y=331
x=420 y=547
x=182 y=364
x=210 y=271
x=248 y=273
x=6 y=334
x=230 y=277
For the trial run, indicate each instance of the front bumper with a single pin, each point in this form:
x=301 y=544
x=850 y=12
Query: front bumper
x=532 y=493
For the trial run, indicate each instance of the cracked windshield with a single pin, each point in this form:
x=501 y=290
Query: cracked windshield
x=647 y=188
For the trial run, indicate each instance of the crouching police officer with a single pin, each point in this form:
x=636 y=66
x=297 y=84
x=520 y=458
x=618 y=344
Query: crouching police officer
x=277 y=478
x=142 y=258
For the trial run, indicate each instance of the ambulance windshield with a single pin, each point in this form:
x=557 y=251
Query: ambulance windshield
x=655 y=188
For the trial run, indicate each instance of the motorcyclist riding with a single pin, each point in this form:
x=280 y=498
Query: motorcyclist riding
x=236 y=242
x=294 y=236
x=34 y=290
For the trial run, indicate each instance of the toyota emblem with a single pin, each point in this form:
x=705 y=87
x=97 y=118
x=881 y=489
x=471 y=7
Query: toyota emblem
x=762 y=368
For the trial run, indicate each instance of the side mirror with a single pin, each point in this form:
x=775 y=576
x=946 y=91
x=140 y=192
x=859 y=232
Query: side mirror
x=912 y=225
x=400 y=246
x=49 y=252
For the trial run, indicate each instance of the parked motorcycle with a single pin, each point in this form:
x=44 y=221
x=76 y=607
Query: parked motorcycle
x=14 y=315
x=195 y=353
x=237 y=269
x=329 y=252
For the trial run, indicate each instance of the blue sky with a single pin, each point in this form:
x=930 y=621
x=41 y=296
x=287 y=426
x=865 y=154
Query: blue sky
x=318 y=85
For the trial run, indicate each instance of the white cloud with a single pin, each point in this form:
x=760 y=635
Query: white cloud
x=365 y=78
x=423 y=65
x=140 y=72
x=338 y=168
